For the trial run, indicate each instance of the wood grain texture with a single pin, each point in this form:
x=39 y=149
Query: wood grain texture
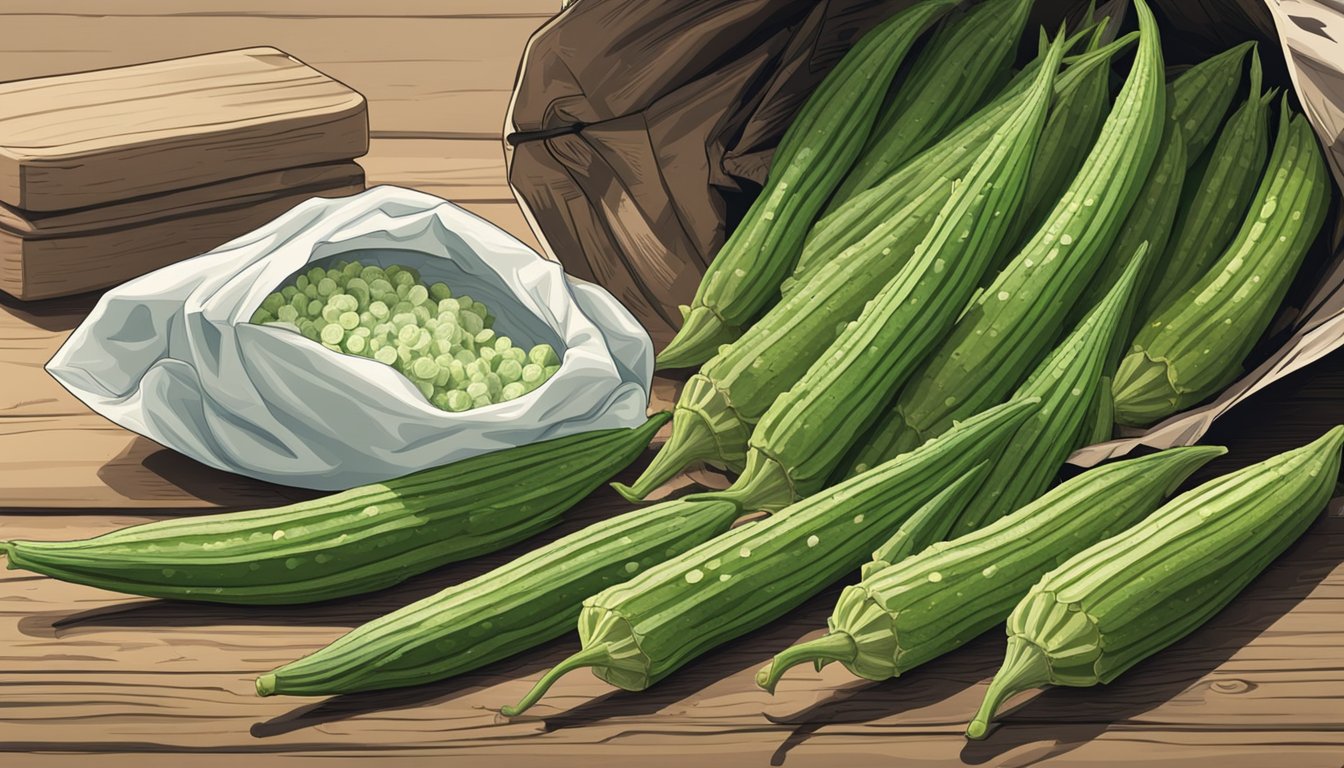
x=98 y=137
x=114 y=682
x=431 y=75
x=163 y=680
x=44 y=267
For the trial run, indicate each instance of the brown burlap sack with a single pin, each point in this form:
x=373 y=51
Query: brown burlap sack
x=639 y=132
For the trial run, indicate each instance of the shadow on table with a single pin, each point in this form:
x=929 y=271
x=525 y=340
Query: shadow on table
x=863 y=701
x=346 y=706
x=59 y=314
x=1174 y=670
x=145 y=468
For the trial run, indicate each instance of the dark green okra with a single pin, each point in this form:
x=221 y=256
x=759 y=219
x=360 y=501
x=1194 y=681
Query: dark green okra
x=918 y=609
x=1125 y=598
x=1066 y=383
x=517 y=606
x=720 y=404
x=352 y=542
x=807 y=430
x=1015 y=319
x=637 y=633
x=949 y=158
x=1149 y=221
x=1201 y=96
x=941 y=89
x=817 y=149
x=1215 y=203
x=930 y=523
x=1196 y=346
x=1070 y=131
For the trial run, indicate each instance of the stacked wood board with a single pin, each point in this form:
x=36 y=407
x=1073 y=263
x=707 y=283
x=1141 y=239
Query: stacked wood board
x=110 y=174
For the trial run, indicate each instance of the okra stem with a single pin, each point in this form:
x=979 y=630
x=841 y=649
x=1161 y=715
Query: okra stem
x=836 y=646
x=694 y=438
x=1024 y=667
x=588 y=657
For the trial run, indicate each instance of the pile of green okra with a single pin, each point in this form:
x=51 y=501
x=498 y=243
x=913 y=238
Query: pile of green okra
x=957 y=273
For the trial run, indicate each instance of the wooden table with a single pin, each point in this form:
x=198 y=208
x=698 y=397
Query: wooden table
x=131 y=682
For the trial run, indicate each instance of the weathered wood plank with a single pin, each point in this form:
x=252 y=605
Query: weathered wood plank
x=74 y=141
x=175 y=678
x=464 y=171
x=434 y=75
x=60 y=266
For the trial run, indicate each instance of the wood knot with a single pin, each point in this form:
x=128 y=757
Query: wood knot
x=1233 y=686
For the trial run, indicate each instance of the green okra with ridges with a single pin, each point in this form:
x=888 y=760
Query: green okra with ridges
x=1149 y=221
x=637 y=633
x=1196 y=346
x=929 y=524
x=1100 y=423
x=352 y=542
x=1070 y=131
x=1201 y=96
x=1215 y=203
x=807 y=430
x=1066 y=383
x=719 y=405
x=927 y=605
x=517 y=606
x=819 y=146
x=1127 y=597
x=941 y=89
x=949 y=158
x=1006 y=330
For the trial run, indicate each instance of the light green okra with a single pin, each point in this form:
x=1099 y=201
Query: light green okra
x=1127 y=597
x=1015 y=319
x=924 y=606
x=1196 y=346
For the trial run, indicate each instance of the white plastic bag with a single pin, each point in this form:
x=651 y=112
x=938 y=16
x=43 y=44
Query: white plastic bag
x=172 y=356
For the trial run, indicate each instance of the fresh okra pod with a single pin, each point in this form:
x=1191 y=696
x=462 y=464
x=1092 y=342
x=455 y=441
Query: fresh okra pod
x=918 y=609
x=1070 y=131
x=638 y=633
x=1195 y=346
x=1216 y=202
x=352 y=542
x=1149 y=221
x=1009 y=327
x=939 y=91
x=1066 y=383
x=1201 y=96
x=1125 y=598
x=517 y=606
x=818 y=147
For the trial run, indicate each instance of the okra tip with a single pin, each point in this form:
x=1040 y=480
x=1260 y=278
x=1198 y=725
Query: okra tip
x=834 y=646
x=266 y=684
x=698 y=340
x=592 y=656
x=1025 y=666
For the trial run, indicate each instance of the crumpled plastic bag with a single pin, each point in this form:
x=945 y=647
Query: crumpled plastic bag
x=172 y=356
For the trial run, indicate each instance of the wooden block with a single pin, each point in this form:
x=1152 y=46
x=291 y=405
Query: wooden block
x=79 y=251
x=97 y=137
